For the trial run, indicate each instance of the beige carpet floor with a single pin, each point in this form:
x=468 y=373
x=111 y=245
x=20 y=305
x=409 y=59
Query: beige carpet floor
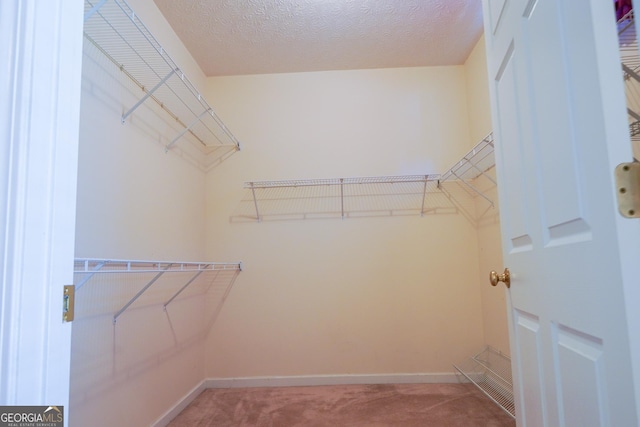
x=441 y=405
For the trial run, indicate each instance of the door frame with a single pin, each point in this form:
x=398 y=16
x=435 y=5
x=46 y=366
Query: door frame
x=39 y=126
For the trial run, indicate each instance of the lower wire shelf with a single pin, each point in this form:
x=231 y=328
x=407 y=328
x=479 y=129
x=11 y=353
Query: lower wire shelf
x=490 y=371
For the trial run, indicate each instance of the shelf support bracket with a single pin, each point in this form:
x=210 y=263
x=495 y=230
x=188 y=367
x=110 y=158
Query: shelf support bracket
x=474 y=189
x=142 y=291
x=86 y=278
x=183 y=288
x=633 y=114
x=630 y=72
x=147 y=95
x=94 y=9
x=255 y=201
x=342 y=197
x=481 y=172
x=187 y=129
x=424 y=194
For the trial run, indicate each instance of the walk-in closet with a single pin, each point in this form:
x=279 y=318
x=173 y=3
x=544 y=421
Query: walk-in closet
x=277 y=229
x=224 y=213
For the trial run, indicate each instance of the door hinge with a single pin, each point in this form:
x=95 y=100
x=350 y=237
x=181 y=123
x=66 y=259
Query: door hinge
x=68 y=303
x=628 y=189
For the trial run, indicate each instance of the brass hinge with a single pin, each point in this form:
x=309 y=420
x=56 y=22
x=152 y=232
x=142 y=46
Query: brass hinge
x=628 y=189
x=68 y=302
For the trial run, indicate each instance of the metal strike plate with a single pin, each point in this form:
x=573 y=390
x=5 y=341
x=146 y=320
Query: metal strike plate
x=68 y=303
x=628 y=189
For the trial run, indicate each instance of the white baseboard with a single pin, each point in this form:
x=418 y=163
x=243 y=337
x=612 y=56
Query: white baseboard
x=166 y=418
x=299 y=381
x=319 y=380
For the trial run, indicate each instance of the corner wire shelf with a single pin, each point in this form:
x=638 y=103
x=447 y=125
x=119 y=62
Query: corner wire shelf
x=86 y=268
x=390 y=195
x=474 y=164
x=630 y=61
x=113 y=27
x=490 y=371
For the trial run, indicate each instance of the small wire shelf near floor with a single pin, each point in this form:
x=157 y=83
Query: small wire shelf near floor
x=490 y=371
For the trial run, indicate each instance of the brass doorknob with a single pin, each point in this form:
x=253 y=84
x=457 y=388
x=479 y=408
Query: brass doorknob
x=505 y=277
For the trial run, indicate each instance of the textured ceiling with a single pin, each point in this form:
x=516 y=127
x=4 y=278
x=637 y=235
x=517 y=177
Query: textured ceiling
x=232 y=37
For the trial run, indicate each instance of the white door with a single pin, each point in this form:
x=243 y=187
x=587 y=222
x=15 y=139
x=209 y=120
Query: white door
x=41 y=51
x=560 y=126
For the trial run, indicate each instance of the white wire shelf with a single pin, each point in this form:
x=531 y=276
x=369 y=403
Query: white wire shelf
x=490 y=371
x=373 y=196
x=628 y=45
x=113 y=27
x=341 y=197
x=150 y=271
x=342 y=181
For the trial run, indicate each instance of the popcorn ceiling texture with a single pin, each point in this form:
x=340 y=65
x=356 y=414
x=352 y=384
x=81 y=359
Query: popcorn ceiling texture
x=234 y=37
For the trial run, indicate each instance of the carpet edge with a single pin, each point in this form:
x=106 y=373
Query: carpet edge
x=320 y=380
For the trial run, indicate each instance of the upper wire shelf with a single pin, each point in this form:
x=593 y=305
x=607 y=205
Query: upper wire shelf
x=113 y=27
x=373 y=196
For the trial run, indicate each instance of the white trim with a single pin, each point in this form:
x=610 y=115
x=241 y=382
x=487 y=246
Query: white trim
x=320 y=380
x=173 y=412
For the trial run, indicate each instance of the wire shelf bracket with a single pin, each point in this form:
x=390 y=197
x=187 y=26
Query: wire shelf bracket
x=90 y=274
x=114 y=28
x=148 y=95
x=139 y=294
x=195 y=276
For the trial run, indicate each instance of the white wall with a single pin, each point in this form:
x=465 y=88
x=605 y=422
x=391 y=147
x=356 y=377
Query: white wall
x=135 y=202
x=354 y=296
x=494 y=309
